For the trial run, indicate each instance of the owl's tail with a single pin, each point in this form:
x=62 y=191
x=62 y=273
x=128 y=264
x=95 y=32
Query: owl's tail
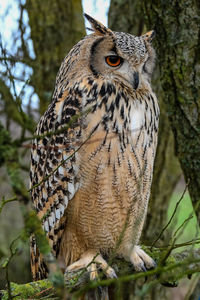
x=39 y=268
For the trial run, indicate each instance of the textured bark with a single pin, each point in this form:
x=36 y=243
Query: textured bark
x=55 y=27
x=178 y=50
x=128 y=16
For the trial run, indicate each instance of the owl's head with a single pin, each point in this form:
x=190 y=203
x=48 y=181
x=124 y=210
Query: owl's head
x=113 y=56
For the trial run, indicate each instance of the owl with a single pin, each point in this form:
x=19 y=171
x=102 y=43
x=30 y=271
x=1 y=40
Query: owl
x=92 y=162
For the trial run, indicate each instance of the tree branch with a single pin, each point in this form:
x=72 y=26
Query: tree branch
x=176 y=266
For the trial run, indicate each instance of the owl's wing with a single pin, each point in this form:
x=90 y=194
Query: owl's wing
x=54 y=170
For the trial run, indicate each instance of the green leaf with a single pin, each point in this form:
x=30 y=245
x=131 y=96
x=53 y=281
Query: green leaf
x=4 y=262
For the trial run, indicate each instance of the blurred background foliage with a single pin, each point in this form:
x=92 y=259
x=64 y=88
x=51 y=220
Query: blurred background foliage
x=29 y=61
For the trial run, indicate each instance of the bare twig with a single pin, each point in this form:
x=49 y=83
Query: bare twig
x=173 y=240
x=172 y=216
x=189 y=243
x=185 y=222
x=12 y=253
x=4 y=202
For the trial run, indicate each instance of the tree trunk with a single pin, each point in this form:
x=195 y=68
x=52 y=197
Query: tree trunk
x=178 y=50
x=55 y=27
x=128 y=16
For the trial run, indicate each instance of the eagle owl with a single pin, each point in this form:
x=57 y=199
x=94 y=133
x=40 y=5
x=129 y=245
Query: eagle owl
x=94 y=161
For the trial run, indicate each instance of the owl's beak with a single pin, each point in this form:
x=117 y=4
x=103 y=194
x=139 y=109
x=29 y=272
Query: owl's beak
x=135 y=82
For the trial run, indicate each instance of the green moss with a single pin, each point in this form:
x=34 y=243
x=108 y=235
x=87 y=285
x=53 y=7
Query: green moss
x=6 y=148
x=35 y=290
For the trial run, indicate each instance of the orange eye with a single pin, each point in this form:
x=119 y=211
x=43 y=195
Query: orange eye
x=113 y=60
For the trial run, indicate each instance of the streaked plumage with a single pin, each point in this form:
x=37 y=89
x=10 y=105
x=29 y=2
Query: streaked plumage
x=99 y=170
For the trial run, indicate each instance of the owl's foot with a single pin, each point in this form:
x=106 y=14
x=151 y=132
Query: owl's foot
x=91 y=262
x=140 y=260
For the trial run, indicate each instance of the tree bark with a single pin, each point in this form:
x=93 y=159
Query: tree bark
x=128 y=16
x=178 y=50
x=55 y=27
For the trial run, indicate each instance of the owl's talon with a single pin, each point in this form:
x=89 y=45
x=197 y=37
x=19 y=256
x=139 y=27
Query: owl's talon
x=92 y=269
x=90 y=261
x=154 y=265
x=143 y=268
x=140 y=260
x=110 y=273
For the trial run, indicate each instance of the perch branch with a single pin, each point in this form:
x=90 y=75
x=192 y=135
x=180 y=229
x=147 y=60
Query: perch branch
x=176 y=267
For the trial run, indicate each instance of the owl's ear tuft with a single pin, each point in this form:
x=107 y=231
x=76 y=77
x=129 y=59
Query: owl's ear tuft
x=97 y=27
x=149 y=36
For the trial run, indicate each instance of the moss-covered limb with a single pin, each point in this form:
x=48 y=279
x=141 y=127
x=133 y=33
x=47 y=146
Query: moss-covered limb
x=128 y=16
x=167 y=274
x=178 y=51
x=55 y=27
x=9 y=155
x=32 y=290
x=176 y=266
x=11 y=108
x=6 y=149
x=16 y=178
